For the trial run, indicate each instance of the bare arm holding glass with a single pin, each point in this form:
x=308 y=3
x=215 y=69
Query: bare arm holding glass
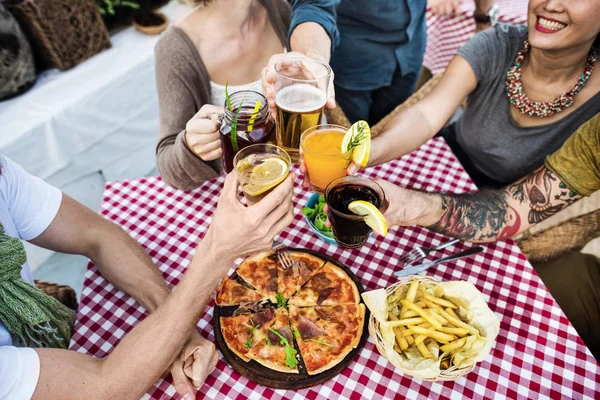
x=415 y=125
x=127 y=372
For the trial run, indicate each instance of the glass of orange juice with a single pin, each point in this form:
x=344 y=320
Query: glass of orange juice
x=322 y=152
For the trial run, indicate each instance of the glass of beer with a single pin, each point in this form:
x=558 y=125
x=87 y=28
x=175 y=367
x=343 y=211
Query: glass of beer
x=301 y=93
x=349 y=229
x=260 y=168
x=321 y=149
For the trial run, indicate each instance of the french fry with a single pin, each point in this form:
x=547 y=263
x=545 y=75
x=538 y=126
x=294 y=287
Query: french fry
x=409 y=314
x=423 y=349
x=406 y=332
x=454 y=331
x=425 y=315
x=412 y=291
x=453 y=346
x=407 y=321
x=410 y=339
x=451 y=312
x=437 y=316
x=420 y=338
x=402 y=343
x=432 y=305
x=437 y=300
x=454 y=320
x=421 y=304
x=445 y=364
x=425 y=325
x=438 y=336
x=392 y=317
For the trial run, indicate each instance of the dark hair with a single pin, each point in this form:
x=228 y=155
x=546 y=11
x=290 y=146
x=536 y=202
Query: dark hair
x=596 y=43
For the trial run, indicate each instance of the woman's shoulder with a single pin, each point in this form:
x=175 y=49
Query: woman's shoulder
x=174 y=43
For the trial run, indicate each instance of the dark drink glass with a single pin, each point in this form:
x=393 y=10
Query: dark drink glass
x=349 y=229
x=254 y=125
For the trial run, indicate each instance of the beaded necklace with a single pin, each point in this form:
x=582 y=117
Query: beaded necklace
x=543 y=109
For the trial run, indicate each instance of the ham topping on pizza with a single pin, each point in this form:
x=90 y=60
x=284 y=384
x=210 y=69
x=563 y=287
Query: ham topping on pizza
x=286 y=332
x=263 y=317
x=324 y=294
x=308 y=329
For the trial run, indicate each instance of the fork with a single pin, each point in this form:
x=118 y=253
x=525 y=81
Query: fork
x=420 y=253
x=283 y=254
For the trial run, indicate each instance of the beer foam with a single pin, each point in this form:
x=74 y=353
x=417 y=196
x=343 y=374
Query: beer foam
x=300 y=98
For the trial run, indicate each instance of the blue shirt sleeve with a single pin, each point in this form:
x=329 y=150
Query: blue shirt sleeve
x=320 y=11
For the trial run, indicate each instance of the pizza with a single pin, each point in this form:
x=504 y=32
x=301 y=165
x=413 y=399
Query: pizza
x=306 y=318
x=329 y=286
x=232 y=293
x=327 y=334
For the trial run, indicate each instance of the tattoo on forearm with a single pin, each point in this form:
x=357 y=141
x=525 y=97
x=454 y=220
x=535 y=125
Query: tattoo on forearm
x=478 y=216
x=487 y=215
x=537 y=188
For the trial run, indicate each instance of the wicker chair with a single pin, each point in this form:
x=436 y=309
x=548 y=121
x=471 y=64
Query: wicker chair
x=63 y=293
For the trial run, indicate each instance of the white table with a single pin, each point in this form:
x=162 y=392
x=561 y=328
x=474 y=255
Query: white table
x=97 y=122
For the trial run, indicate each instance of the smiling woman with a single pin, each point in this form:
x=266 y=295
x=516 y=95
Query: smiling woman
x=528 y=89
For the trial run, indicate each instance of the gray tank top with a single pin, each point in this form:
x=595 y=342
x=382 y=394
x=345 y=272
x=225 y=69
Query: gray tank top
x=486 y=131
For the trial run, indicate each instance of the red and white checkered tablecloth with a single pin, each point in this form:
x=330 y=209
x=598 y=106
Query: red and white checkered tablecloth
x=445 y=35
x=537 y=353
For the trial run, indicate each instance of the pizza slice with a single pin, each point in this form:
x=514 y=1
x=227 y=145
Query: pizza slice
x=261 y=271
x=304 y=267
x=232 y=293
x=274 y=348
x=325 y=335
x=241 y=332
x=329 y=286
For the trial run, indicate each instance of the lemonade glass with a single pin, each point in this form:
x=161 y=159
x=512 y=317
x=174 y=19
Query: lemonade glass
x=260 y=168
x=322 y=152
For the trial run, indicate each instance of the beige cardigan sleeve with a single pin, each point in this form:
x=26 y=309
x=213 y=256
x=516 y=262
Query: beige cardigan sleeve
x=183 y=88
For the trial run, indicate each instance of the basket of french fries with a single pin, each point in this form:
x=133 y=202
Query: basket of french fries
x=429 y=329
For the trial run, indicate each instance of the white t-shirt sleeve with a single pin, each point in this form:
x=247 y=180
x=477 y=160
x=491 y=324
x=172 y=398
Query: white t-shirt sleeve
x=32 y=203
x=20 y=371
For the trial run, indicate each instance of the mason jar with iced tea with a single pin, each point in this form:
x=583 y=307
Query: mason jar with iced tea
x=301 y=93
x=245 y=123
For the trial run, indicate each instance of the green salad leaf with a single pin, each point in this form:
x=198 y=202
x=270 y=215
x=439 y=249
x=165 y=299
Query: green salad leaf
x=281 y=301
x=318 y=217
x=248 y=344
x=321 y=342
x=290 y=351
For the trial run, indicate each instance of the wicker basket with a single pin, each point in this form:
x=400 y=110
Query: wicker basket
x=63 y=33
x=450 y=374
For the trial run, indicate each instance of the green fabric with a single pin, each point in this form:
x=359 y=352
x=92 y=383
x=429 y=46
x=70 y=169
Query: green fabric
x=577 y=162
x=33 y=318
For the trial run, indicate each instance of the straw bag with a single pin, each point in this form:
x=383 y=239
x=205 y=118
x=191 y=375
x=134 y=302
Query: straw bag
x=63 y=32
x=450 y=374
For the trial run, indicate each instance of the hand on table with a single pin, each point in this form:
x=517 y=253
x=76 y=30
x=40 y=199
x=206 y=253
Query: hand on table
x=192 y=366
x=237 y=230
x=444 y=7
x=269 y=77
x=202 y=133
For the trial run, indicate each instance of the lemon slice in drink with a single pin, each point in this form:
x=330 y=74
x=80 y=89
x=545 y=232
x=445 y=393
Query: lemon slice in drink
x=270 y=173
x=358 y=139
x=374 y=218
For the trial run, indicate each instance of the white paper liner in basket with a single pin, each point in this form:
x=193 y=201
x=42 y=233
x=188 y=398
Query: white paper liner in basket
x=478 y=314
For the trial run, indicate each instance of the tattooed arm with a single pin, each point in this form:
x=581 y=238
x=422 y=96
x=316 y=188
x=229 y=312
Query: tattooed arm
x=484 y=216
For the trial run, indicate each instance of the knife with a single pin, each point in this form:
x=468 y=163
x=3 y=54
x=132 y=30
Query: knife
x=413 y=270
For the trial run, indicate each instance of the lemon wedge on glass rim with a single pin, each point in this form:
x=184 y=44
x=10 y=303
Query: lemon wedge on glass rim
x=373 y=217
x=270 y=173
x=358 y=140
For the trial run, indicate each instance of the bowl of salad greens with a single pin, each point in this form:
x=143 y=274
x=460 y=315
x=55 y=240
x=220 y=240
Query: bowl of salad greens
x=316 y=217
